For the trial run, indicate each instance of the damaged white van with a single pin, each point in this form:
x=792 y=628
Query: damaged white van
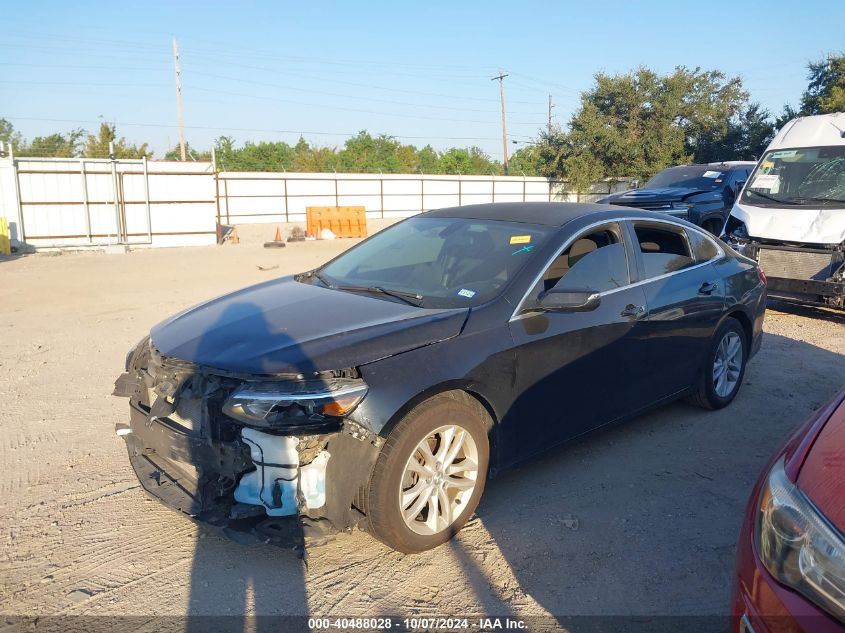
x=791 y=214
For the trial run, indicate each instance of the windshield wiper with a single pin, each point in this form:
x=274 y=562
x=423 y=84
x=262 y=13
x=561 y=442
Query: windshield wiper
x=412 y=298
x=811 y=199
x=319 y=277
x=768 y=197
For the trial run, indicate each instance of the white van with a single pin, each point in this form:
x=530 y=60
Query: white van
x=790 y=216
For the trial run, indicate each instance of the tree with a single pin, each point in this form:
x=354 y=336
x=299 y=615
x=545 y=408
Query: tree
x=54 y=146
x=9 y=135
x=638 y=123
x=746 y=137
x=98 y=146
x=467 y=161
x=190 y=153
x=825 y=92
x=526 y=161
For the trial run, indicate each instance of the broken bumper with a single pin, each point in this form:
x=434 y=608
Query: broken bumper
x=237 y=488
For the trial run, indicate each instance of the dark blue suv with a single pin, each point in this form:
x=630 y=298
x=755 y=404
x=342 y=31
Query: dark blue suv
x=701 y=194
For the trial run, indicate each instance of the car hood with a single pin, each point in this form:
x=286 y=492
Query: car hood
x=791 y=224
x=822 y=475
x=658 y=194
x=283 y=326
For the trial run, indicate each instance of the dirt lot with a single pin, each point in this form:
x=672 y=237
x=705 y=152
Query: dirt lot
x=638 y=519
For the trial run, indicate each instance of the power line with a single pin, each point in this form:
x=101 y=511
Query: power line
x=346 y=109
x=242 y=129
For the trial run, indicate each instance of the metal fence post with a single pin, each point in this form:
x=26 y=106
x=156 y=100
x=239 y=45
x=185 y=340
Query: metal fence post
x=147 y=200
x=336 y=197
x=285 y=184
x=21 y=232
x=381 y=194
x=85 y=199
x=422 y=193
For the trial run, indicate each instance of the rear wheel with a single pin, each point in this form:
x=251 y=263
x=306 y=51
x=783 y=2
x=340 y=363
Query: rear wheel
x=430 y=474
x=724 y=369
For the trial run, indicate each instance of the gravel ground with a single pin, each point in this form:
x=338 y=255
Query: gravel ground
x=638 y=519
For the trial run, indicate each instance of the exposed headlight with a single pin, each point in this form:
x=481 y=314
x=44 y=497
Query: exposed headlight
x=682 y=205
x=285 y=403
x=130 y=355
x=736 y=231
x=798 y=546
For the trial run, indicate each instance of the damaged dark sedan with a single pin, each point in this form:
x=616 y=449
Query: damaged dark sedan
x=383 y=388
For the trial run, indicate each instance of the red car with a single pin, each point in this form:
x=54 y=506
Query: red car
x=791 y=553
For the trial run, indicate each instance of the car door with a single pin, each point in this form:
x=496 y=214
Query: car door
x=577 y=370
x=685 y=298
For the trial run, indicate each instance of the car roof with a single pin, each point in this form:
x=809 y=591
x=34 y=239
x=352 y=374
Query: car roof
x=545 y=213
x=734 y=163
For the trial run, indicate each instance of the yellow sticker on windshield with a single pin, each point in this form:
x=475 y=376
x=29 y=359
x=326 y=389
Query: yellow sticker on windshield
x=520 y=239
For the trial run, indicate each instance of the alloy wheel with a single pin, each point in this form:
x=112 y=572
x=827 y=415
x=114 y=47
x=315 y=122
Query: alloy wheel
x=439 y=479
x=727 y=366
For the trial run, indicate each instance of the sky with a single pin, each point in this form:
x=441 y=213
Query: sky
x=418 y=71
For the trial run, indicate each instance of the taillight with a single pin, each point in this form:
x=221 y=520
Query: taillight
x=761 y=275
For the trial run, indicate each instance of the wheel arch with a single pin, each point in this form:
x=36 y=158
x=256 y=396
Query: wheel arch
x=439 y=389
x=744 y=320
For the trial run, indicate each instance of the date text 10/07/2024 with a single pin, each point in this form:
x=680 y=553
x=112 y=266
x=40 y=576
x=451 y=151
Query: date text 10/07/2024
x=421 y=624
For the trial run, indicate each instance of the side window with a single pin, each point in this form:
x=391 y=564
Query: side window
x=703 y=247
x=594 y=261
x=664 y=250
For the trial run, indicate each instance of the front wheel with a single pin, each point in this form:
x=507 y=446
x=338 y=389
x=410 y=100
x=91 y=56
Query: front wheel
x=724 y=369
x=430 y=475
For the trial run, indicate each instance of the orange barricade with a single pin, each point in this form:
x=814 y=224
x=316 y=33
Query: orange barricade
x=342 y=221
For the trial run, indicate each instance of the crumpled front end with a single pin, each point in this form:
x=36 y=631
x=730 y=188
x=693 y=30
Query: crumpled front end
x=271 y=469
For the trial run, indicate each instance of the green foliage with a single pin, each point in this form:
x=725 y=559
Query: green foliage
x=8 y=133
x=526 y=161
x=638 y=123
x=98 y=146
x=190 y=153
x=54 y=145
x=362 y=153
x=826 y=89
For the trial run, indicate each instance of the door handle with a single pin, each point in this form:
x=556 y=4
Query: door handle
x=707 y=287
x=632 y=310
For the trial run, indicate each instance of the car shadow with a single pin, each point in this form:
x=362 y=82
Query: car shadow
x=831 y=315
x=634 y=527
x=237 y=582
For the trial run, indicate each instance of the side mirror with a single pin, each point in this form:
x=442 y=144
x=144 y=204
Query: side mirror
x=569 y=300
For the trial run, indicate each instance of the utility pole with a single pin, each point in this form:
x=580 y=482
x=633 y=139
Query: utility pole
x=180 y=116
x=501 y=76
x=550 y=115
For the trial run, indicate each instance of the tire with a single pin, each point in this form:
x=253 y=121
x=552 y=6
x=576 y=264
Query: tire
x=395 y=481
x=711 y=393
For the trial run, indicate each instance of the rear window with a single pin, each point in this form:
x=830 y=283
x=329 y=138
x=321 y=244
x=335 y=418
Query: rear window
x=663 y=250
x=703 y=247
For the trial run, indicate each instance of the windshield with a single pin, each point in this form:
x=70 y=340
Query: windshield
x=703 y=177
x=806 y=177
x=448 y=262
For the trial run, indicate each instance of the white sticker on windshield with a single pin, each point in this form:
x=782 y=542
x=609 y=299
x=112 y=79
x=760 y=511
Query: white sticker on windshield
x=712 y=174
x=765 y=181
x=469 y=294
x=783 y=154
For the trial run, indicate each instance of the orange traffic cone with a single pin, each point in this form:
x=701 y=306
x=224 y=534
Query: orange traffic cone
x=277 y=241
